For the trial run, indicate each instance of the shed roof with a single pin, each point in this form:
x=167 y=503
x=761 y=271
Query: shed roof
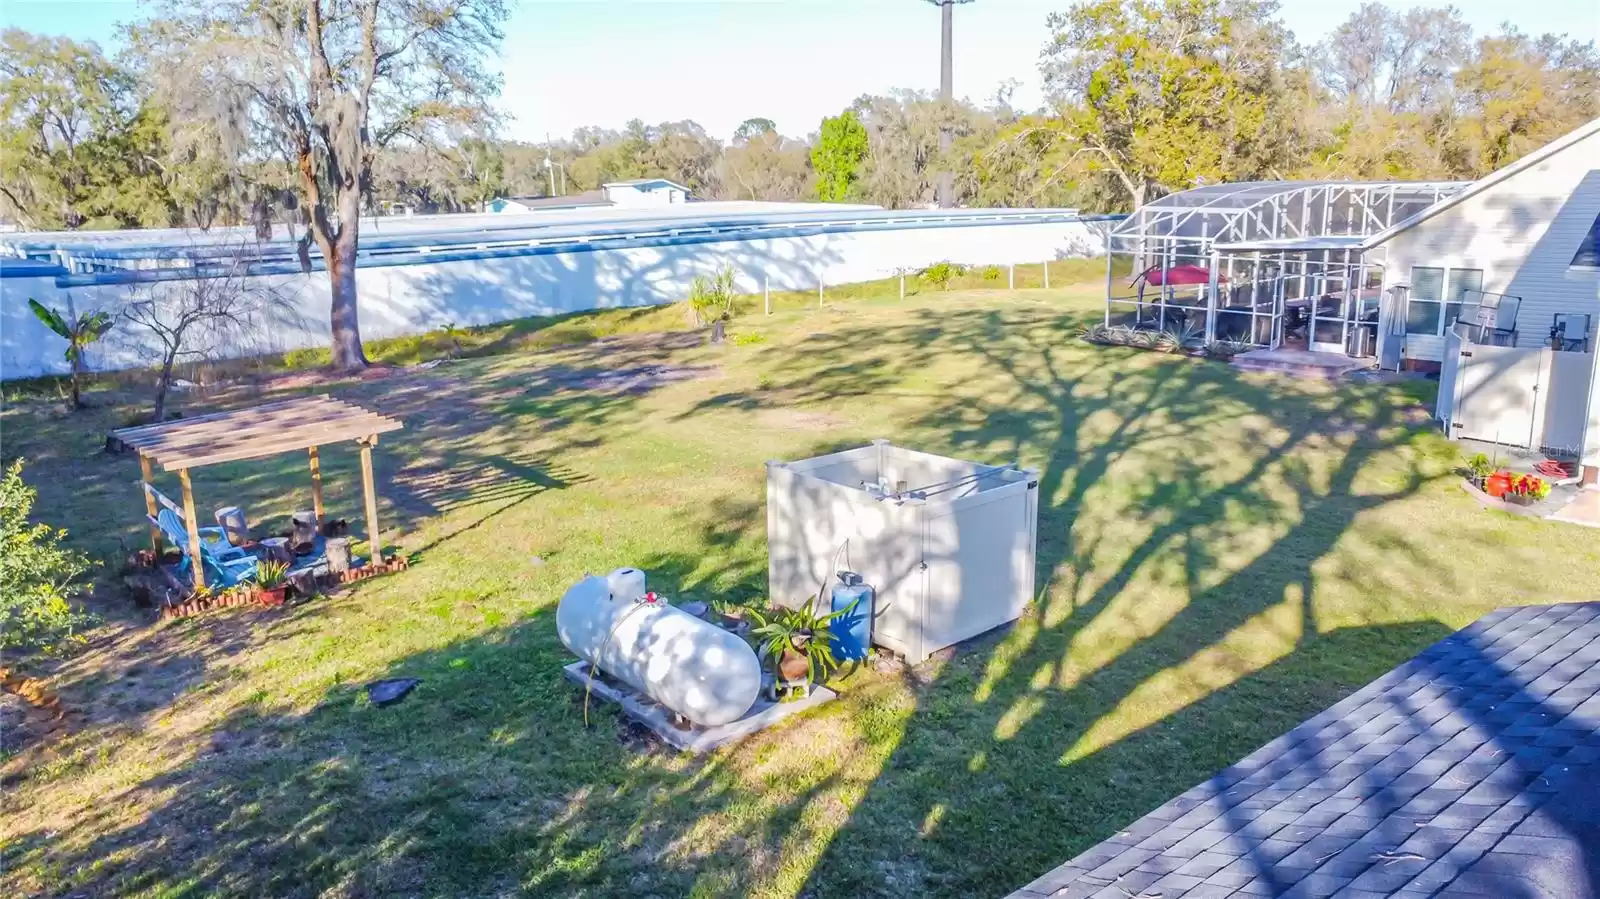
x=646 y=183
x=254 y=433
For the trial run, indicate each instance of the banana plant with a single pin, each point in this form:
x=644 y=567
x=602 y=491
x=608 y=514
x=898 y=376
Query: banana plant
x=79 y=333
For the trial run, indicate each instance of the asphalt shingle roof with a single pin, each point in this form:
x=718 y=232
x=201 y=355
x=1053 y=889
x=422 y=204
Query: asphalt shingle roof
x=1471 y=770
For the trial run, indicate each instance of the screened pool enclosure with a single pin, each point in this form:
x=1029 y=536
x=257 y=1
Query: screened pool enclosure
x=1267 y=263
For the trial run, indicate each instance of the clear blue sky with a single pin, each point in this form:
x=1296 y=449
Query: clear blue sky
x=601 y=62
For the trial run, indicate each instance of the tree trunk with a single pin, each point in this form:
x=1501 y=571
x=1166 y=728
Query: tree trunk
x=946 y=180
x=344 y=318
x=77 y=364
x=163 y=384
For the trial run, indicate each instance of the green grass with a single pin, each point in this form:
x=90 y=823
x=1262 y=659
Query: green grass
x=1220 y=557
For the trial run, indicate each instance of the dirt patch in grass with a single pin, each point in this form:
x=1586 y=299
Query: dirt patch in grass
x=798 y=419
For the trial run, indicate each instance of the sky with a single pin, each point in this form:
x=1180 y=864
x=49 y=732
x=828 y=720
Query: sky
x=570 y=63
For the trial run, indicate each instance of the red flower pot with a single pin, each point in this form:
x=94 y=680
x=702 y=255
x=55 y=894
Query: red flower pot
x=271 y=596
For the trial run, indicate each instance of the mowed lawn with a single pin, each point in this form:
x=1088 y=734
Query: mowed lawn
x=1220 y=557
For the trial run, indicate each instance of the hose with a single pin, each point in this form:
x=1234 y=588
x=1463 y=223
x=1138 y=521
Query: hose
x=588 y=686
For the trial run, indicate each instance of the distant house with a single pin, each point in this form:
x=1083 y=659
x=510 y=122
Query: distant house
x=529 y=204
x=645 y=192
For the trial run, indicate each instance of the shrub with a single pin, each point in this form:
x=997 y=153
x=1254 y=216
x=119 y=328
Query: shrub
x=1227 y=349
x=940 y=274
x=991 y=273
x=37 y=574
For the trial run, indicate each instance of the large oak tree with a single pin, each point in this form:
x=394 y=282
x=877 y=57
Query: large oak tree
x=324 y=85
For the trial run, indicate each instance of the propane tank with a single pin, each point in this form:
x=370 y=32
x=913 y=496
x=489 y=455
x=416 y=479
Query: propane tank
x=694 y=668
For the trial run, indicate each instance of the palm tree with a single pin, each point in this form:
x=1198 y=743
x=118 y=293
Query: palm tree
x=79 y=333
x=946 y=183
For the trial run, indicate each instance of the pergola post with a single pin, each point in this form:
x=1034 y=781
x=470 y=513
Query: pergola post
x=195 y=562
x=146 y=475
x=316 y=485
x=368 y=488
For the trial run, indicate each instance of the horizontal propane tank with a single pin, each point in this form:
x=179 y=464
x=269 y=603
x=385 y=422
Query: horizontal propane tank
x=694 y=668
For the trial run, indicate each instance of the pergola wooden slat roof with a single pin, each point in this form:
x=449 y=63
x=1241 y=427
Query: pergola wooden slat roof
x=265 y=430
x=286 y=426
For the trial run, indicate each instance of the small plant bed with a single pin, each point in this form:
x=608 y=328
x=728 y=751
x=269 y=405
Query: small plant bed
x=1173 y=340
x=369 y=570
x=1508 y=491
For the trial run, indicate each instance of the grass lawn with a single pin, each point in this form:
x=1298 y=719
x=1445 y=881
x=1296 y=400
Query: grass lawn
x=1220 y=557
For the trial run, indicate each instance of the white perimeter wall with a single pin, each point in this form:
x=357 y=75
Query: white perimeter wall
x=406 y=299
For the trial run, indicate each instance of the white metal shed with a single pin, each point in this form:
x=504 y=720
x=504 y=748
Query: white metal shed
x=948 y=546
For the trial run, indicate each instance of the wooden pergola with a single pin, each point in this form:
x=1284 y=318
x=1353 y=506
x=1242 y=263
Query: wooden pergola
x=288 y=426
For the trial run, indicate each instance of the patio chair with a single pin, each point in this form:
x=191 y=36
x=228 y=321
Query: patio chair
x=223 y=562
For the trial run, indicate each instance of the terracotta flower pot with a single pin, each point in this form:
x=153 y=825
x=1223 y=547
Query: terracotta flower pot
x=793 y=667
x=271 y=596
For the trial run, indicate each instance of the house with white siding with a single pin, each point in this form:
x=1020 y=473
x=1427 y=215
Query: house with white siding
x=1521 y=249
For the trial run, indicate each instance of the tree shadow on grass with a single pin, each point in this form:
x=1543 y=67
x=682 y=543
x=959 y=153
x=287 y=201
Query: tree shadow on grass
x=1183 y=514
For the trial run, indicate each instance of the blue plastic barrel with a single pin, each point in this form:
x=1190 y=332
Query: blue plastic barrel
x=852 y=633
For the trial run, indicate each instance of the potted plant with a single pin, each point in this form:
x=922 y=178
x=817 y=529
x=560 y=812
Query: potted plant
x=730 y=614
x=799 y=644
x=1478 y=470
x=1498 y=483
x=272 y=580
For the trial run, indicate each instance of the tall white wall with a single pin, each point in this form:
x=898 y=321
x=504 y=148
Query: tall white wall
x=402 y=299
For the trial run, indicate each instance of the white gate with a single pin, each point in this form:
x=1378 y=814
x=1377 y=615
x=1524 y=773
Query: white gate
x=1497 y=393
x=1532 y=397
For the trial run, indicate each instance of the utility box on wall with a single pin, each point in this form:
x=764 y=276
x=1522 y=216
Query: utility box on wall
x=948 y=546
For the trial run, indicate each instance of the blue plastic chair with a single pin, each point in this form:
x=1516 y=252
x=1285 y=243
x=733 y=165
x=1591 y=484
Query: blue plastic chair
x=225 y=565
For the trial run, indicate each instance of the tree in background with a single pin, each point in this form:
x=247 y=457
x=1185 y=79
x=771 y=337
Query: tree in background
x=75 y=142
x=1520 y=93
x=1168 y=94
x=328 y=84
x=946 y=180
x=840 y=149
x=79 y=333
x=763 y=165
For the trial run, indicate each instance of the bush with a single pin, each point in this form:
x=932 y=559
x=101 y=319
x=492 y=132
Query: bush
x=991 y=273
x=36 y=574
x=1227 y=349
x=940 y=274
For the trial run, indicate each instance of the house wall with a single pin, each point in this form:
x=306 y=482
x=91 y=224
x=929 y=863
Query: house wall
x=1522 y=233
x=633 y=195
x=418 y=293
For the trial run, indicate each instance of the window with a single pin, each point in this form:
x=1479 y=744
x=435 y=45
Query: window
x=1588 y=255
x=1465 y=288
x=1437 y=295
x=1422 y=306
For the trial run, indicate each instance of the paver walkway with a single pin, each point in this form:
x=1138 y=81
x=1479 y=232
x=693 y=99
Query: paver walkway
x=1470 y=770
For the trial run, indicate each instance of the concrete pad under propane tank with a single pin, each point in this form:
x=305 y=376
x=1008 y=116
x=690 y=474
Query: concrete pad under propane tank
x=693 y=667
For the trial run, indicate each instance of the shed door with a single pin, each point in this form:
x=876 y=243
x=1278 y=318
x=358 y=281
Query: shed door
x=1497 y=392
x=978 y=553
